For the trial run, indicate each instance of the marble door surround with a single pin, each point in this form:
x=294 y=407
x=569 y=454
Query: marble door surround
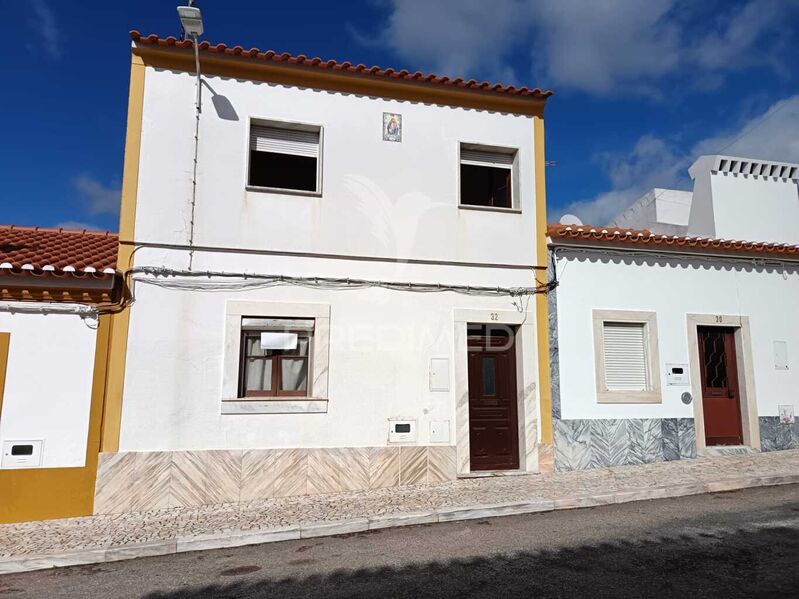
x=746 y=375
x=526 y=368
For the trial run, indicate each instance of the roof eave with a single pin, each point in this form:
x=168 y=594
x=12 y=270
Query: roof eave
x=301 y=75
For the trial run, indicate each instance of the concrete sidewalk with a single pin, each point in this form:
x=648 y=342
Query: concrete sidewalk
x=94 y=539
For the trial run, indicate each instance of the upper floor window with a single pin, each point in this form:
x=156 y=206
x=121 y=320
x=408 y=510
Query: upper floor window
x=285 y=157
x=488 y=177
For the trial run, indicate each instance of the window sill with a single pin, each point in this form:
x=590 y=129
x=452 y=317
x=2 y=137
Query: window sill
x=299 y=405
x=605 y=397
x=280 y=191
x=489 y=209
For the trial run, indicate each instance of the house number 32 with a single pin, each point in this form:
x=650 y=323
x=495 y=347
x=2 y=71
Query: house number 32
x=494 y=316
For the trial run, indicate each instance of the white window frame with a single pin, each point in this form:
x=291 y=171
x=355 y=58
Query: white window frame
x=319 y=353
x=653 y=392
x=262 y=122
x=514 y=169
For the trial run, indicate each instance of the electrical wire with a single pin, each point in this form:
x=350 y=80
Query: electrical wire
x=233 y=281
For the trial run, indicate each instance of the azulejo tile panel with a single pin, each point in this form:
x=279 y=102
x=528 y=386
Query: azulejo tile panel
x=137 y=481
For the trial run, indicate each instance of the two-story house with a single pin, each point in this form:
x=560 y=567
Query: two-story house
x=335 y=275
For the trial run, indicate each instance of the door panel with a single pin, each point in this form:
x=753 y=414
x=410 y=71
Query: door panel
x=721 y=401
x=493 y=418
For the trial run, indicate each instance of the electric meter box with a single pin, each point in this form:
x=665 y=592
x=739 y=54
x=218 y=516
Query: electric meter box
x=22 y=454
x=401 y=431
x=677 y=374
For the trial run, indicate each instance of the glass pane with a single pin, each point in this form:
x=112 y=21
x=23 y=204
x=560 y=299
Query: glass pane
x=252 y=346
x=302 y=346
x=258 y=375
x=713 y=360
x=489 y=376
x=293 y=374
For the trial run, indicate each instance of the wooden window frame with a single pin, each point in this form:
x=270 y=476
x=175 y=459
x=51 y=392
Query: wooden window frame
x=275 y=391
x=653 y=392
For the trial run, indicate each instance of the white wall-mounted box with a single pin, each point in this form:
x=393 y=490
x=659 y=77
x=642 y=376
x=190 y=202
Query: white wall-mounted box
x=781 y=355
x=677 y=374
x=439 y=374
x=401 y=431
x=439 y=431
x=22 y=454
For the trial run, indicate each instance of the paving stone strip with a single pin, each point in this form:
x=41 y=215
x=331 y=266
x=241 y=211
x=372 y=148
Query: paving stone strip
x=93 y=539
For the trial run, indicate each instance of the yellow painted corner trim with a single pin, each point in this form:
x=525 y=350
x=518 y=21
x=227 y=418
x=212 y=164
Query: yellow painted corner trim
x=118 y=345
x=46 y=493
x=5 y=341
x=541 y=307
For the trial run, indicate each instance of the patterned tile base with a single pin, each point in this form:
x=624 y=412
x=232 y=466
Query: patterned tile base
x=775 y=436
x=139 y=481
x=581 y=444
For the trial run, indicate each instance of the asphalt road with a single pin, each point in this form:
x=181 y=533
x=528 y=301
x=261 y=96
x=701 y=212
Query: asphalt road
x=737 y=544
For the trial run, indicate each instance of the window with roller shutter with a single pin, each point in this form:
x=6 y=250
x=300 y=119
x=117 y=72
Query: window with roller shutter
x=285 y=158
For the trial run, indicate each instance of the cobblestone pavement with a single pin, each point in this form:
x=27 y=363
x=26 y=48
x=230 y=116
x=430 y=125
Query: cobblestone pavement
x=564 y=489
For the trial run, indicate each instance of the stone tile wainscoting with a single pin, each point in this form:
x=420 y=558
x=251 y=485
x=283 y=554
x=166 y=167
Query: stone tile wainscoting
x=775 y=436
x=581 y=444
x=138 y=481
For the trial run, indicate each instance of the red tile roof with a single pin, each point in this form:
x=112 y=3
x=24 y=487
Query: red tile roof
x=644 y=239
x=360 y=69
x=59 y=251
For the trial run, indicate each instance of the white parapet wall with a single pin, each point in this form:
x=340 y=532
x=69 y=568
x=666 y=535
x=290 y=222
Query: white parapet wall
x=48 y=388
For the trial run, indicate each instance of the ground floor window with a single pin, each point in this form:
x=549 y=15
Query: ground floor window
x=274 y=357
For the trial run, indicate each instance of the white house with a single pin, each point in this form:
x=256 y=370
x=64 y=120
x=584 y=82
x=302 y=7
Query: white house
x=53 y=339
x=317 y=255
x=664 y=346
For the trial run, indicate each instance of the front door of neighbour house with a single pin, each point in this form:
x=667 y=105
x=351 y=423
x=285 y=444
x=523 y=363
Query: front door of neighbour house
x=493 y=412
x=721 y=399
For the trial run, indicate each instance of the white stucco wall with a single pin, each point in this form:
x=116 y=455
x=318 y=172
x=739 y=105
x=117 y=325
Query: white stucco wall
x=673 y=290
x=381 y=343
x=49 y=384
x=379 y=199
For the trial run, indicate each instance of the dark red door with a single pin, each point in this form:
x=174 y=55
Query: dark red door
x=493 y=424
x=721 y=399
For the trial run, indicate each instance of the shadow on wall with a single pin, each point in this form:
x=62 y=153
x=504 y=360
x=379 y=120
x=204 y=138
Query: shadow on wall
x=224 y=109
x=738 y=564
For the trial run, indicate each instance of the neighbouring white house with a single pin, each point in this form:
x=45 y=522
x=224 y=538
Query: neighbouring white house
x=53 y=339
x=334 y=278
x=681 y=335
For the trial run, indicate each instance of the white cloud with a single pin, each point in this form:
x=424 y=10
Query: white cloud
x=612 y=46
x=772 y=135
x=77 y=226
x=44 y=22
x=456 y=37
x=99 y=198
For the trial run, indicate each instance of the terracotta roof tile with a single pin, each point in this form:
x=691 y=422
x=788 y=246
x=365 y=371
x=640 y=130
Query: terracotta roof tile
x=645 y=239
x=360 y=69
x=58 y=251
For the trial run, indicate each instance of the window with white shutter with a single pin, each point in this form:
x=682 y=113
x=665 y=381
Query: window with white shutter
x=625 y=356
x=285 y=157
x=487 y=177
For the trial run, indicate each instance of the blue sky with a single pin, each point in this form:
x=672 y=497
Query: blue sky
x=641 y=86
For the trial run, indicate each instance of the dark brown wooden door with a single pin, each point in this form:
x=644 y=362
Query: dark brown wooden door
x=721 y=399
x=493 y=418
